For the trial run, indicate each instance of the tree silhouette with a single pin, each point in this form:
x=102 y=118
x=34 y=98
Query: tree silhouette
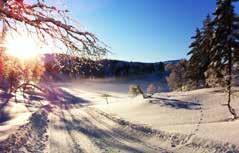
x=49 y=22
x=200 y=47
x=224 y=52
x=193 y=72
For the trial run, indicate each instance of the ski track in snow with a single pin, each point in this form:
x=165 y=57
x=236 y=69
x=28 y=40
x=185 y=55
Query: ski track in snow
x=83 y=130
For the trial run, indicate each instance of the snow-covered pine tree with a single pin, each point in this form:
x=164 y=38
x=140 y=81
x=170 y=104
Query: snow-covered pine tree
x=225 y=44
x=206 y=45
x=193 y=72
x=195 y=52
x=199 y=60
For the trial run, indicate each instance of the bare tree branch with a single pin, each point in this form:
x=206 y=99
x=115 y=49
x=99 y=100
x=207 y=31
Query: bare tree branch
x=49 y=22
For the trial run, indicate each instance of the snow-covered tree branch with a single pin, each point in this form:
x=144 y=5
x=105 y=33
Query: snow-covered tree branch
x=49 y=22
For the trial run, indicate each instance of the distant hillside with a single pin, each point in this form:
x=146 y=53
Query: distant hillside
x=171 y=62
x=74 y=66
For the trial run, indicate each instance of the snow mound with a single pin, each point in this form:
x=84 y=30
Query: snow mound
x=30 y=137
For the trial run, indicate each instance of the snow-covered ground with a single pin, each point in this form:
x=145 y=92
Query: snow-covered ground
x=16 y=114
x=202 y=113
x=82 y=119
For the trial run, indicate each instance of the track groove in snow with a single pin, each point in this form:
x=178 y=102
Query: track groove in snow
x=81 y=130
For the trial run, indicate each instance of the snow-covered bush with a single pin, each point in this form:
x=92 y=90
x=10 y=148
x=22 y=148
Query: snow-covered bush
x=135 y=90
x=151 y=89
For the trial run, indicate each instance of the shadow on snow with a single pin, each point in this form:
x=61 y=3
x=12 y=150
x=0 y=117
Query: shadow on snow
x=174 y=103
x=101 y=138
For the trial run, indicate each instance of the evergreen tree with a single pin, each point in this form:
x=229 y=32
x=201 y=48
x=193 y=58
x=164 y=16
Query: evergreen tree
x=193 y=72
x=224 y=44
x=199 y=60
x=206 y=45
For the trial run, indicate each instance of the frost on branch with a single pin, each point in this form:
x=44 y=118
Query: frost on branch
x=49 y=22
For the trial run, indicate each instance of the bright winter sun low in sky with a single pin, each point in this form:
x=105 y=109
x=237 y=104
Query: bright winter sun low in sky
x=135 y=30
x=143 y=30
x=21 y=46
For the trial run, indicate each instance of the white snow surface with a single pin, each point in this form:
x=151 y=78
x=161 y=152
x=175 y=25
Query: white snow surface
x=202 y=113
x=185 y=122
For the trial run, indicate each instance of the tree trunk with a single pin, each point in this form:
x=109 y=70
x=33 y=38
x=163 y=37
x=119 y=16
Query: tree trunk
x=11 y=86
x=106 y=98
x=141 y=92
x=229 y=86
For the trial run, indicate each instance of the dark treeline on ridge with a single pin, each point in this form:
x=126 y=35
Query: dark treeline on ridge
x=76 y=67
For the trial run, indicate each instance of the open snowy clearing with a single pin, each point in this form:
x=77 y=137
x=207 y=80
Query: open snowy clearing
x=81 y=119
x=200 y=114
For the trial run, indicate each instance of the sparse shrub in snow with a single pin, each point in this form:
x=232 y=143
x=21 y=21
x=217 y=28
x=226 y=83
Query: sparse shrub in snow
x=151 y=89
x=135 y=90
x=106 y=96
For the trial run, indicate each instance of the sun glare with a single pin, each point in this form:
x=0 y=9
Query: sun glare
x=21 y=46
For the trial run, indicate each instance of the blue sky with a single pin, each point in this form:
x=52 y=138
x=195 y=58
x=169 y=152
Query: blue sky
x=143 y=30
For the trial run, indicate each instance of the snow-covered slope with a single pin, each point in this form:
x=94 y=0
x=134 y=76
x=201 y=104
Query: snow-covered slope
x=201 y=113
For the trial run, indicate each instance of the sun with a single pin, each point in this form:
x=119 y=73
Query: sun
x=21 y=46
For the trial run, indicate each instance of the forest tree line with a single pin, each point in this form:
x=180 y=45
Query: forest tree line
x=214 y=54
x=76 y=67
